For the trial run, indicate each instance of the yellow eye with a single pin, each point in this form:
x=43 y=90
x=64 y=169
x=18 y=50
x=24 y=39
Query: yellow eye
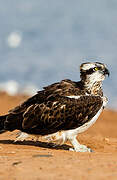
x=96 y=69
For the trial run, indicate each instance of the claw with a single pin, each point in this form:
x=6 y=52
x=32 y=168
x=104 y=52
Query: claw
x=21 y=136
x=79 y=147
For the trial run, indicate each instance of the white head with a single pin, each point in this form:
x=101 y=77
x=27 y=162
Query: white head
x=93 y=72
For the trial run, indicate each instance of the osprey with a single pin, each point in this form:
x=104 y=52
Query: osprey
x=61 y=110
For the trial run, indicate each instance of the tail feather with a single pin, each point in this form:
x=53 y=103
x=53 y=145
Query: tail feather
x=2 y=120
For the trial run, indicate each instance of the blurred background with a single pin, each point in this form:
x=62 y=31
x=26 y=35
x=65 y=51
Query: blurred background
x=45 y=41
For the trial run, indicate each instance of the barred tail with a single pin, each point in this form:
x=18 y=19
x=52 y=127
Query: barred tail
x=2 y=120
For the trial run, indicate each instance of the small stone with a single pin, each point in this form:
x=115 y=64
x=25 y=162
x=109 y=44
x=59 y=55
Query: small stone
x=106 y=139
x=16 y=163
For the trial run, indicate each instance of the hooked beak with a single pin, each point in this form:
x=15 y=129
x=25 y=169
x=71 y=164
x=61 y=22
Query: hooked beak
x=106 y=72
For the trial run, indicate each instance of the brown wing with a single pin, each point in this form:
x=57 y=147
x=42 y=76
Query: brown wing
x=38 y=98
x=64 y=88
x=15 y=116
x=41 y=115
x=61 y=114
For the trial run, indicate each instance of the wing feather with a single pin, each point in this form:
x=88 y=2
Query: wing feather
x=65 y=87
x=66 y=114
x=50 y=110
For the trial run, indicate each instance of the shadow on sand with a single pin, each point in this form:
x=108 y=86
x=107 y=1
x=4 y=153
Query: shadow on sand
x=37 y=143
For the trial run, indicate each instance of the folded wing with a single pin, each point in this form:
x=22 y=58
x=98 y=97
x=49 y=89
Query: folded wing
x=61 y=113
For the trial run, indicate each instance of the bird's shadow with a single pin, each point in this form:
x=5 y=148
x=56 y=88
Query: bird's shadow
x=37 y=144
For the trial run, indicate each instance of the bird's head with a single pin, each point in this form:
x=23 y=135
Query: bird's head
x=93 y=72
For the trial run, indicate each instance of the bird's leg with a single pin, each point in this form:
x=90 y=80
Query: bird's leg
x=58 y=138
x=77 y=146
x=21 y=136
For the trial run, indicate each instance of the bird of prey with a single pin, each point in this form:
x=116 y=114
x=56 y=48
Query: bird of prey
x=61 y=110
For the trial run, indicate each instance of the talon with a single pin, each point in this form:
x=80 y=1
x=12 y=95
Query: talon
x=71 y=149
x=21 y=137
x=91 y=150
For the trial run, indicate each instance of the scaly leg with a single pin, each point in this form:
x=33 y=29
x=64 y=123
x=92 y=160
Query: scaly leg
x=77 y=146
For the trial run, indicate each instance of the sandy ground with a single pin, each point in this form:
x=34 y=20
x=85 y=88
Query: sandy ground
x=31 y=160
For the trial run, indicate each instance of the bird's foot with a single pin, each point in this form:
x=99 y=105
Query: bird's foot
x=81 y=148
x=21 y=136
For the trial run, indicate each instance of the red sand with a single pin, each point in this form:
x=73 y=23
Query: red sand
x=38 y=161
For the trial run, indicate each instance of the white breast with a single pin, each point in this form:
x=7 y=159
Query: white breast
x=85 y=126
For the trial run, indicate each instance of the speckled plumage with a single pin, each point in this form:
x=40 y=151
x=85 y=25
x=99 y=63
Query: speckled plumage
x=55 y=108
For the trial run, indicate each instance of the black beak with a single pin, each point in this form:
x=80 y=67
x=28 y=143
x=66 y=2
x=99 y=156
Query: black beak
x=106 y=72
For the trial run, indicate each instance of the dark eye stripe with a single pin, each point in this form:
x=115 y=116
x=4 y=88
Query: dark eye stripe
x=91 y=70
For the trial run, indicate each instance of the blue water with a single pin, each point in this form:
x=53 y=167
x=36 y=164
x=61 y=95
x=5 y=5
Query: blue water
x=57 y=36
